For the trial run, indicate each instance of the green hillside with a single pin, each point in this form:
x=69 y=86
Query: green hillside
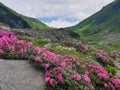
x=13 y=19
x=102 y=26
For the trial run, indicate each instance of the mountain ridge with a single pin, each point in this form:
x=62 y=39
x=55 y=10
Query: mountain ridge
x=10 y=20
x=17 y=20
x=101 y=25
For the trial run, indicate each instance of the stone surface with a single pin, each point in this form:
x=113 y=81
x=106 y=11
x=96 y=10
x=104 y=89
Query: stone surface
x=20 y=75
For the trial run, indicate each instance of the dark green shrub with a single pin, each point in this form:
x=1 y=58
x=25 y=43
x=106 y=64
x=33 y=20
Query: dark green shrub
x=111 y=70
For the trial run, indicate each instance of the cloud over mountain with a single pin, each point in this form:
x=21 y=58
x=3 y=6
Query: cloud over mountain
x=72 y=9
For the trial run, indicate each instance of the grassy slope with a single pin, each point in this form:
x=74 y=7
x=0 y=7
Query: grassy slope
x=94 y=27
x=33 y=23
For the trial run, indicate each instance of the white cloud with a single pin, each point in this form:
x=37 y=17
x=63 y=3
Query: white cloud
x=77 y=9
x=59 y=23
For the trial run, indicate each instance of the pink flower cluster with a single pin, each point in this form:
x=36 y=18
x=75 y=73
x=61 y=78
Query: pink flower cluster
x=116 y=83
x=80 y=47
x=57 y=74
x=76 y=77
x=115 y=54
x=86 y=77
x=99 y=70
x=57 y=64
x=104 y=58
x=57 y=67
x=9 y=44
x=108 y=80
x=113 y=84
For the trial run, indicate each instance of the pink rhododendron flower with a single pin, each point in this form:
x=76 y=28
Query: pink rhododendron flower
x=20 y=42
x=78 y=63
x=60 y=77
x=91 y=87
x=63 y=64
x=22 y=51
x=86 y=72
x=69 y=67
x=116 y=82
x=51 y=81
x=73 y=76
x=47 y=79
x=102 y=75
x=38 y=50
x=47 y=74
x=86 y=78
x=28 y=44
x=76 y=77
x=106 y=85
x=37 y=58
x=45 y=65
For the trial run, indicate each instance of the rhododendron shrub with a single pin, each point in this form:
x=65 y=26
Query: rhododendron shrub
x=62 y=72
x=100 y=78
x=115 y=54
x=80 y=47
x=65 y=72
x=66 y=68
x=11 y=47
x=104 y=58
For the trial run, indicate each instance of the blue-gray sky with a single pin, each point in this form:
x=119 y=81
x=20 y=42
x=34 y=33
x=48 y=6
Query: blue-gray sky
x=57 y=13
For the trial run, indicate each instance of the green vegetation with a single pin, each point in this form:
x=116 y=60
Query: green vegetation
x=63 y=72
x=17 y=20
x=111 y=70
x=103 y=26
x=40 y=43
x=57 y=48
x=108 y=47
x=35 y=24
x=94 y=31
x=82 y=29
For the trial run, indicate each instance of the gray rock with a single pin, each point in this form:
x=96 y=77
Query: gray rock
x=20 y=75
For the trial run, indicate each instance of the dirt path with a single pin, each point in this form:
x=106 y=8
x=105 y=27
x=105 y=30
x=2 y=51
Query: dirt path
x=20 y=75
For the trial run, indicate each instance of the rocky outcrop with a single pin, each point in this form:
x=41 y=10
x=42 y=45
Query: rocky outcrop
x=20 y=75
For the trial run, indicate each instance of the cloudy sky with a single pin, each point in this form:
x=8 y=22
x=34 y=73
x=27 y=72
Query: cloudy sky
x=57 y=13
